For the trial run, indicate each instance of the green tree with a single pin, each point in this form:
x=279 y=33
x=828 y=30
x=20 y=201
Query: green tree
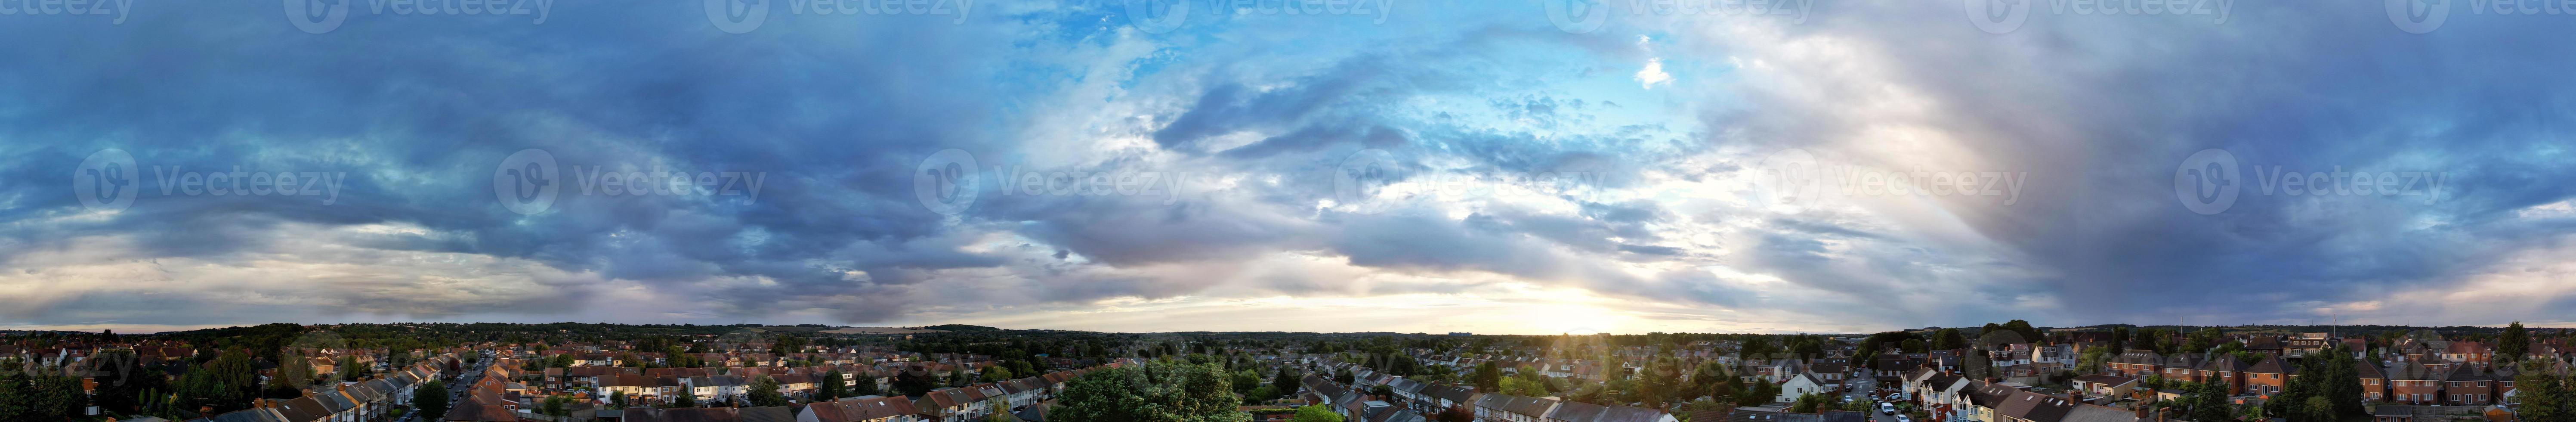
x=2328 y=389
x=556 y=406
x=2515 y=343
x=293 y=373
x=831 y=387
x=1315 y=413
x=764 y=392
x=1286 y=382
x=616 y=399
x=1949 y=339
x=1488 y=377
x=865 y=385
x=2023 y=327
x=1977 y=365
x=1258 y=395
x=2092 y=360
x=682 y=401
x=1158 y=391
x=1245 y=381
x=1807 y=403
x=997 y=373
x=430 y=400
x=914 y=383
x=2546 y=395
x=2208 y=402
x=123 y=381
x=17 y=397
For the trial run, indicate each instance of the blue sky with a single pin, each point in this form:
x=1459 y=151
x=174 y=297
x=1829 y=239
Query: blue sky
x=1399 y=165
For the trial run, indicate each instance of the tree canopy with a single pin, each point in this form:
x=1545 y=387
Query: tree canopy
x=1158 y=391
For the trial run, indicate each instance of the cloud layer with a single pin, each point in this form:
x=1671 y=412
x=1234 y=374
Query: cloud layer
x=1422 y=166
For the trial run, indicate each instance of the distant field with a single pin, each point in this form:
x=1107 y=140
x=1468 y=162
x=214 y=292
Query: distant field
x=881 y=330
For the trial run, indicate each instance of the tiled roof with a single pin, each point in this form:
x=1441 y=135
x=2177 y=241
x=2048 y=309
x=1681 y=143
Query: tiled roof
x=2270 y=365
x=764 y=414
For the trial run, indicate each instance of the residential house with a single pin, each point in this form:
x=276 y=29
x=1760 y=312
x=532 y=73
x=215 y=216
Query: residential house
x=2266 y=378
x=863 y=409
x=2468 y=385
x=2105 y=385
x=2411 y=382
x=1511 y=408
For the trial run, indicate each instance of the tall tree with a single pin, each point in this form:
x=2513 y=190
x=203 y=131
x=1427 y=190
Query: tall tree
x=1489 y=378
x=914 y=383
x=2208 y=402
x=831 y=387
x=122 y=380
x=430 y=400
x=865 y=385
x=1948 y=339
x=764 y=392
x=2515 y=343
x=2546 y=396
x=1285 y=382
x=2328 y=389
x=2023 y=327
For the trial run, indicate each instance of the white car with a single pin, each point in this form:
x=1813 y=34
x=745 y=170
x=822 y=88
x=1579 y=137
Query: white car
x=1887 y=408
x=1901 y=418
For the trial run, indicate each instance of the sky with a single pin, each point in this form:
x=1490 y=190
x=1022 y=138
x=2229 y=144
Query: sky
x=1488 y=166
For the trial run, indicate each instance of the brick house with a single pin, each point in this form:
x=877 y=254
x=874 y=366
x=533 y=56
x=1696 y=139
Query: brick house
x=2267 y=378
x=2227 y=369
x=2374 y=385
x=2413 y=383
x=2469 y=385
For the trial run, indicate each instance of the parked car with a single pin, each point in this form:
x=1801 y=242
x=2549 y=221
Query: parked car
x=1886 y=408
x=1902 y=418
